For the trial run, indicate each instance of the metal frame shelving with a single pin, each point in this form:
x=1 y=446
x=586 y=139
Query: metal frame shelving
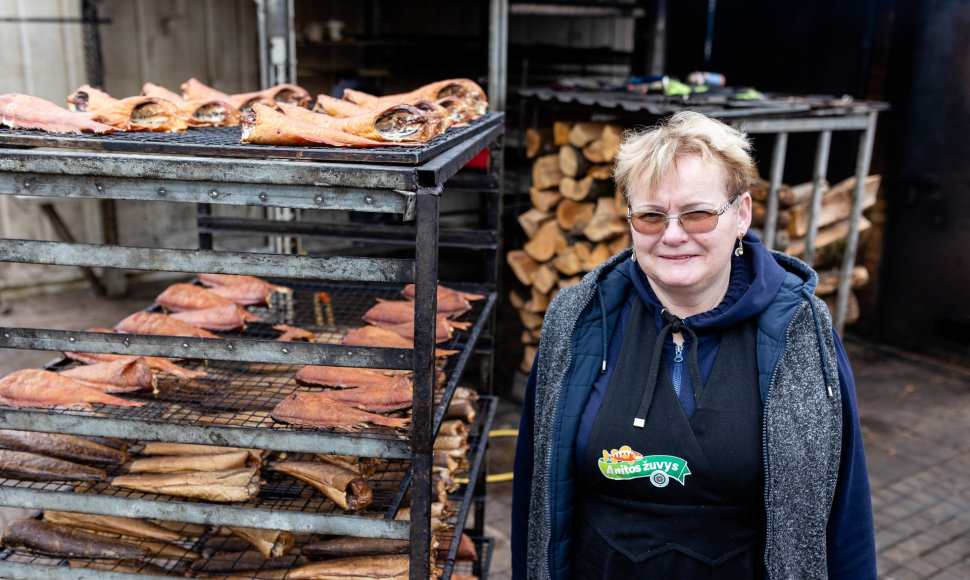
x=100 y=169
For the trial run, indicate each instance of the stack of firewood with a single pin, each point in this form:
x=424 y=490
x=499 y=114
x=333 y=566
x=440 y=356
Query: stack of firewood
x=578 y=220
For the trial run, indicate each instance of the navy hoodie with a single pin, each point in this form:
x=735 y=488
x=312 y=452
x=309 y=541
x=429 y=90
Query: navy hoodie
x=756 y=278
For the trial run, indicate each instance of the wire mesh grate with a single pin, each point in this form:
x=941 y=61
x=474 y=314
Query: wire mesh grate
x=225 y=141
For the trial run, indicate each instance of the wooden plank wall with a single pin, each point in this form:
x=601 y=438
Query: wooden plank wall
x=162 y=42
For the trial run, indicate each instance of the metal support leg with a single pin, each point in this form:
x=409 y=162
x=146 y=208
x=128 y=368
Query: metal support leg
x=852 y=243
x=818 y=179
x=422 y=414
x=777 y=169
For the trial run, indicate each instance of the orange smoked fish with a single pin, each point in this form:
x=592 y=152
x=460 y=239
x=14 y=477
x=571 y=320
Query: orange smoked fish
x=39 y=388
x=200 y=112
x=317 y=410
x=376 y=399
x=348 y=377
x=395 y=123
x=157 y=363
x=243 y=290
x=141 y=114
x=26 y=112
x=266 y=126
x=155 y=323
x=465 y=89
x=186 y=297
x=196 y=89
x=120 y=376
x=88 y=98
x=226 y=317
x=376 y=336
x=285 y=93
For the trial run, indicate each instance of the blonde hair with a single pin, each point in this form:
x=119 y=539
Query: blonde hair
x=650 y=153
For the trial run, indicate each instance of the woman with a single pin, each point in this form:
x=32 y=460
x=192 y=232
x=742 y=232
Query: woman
x=691 y=412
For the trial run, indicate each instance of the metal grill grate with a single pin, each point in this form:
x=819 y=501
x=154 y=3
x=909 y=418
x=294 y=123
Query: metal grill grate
x=224 y=142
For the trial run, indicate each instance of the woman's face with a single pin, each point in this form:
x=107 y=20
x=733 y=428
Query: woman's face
x=680 y=264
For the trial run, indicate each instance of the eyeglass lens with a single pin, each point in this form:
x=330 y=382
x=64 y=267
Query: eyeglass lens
x=696 y=221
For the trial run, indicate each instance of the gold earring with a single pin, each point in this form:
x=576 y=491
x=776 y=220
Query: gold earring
x=740 y=249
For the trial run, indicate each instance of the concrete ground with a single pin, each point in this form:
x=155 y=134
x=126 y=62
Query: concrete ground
x=915 y=417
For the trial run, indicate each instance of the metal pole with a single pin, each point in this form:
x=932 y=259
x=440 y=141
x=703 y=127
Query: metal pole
x=498 y=33
x=852 y=243
x=658 y=54
x=777 y=169
x=263 y=48
x=818 y=179
x=422 y=413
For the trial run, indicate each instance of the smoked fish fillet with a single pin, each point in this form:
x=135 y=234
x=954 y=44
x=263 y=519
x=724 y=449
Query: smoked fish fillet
x=226 y=486
x=88 y=98
x=348 y=546
x=186 y=297
x=212 y=280
x=60 y=445
x=337 y=107
x=134 y=527
x=377 y=336
x=451 y=303
x=317 y=410
x=266 y=126
x=348 y=377
x=375 y=399
x=270 y=543
x=40 y=388
x=465 y=89
x=178 y=463
x=163 y=324
x=25 y=112
x=293 y=333
x=196 y=89
x=157 y=363
x=227 y=317
x=347 y=489
x=62 y=541
x=200 y=112
x=34 y=467
x=385 y=567
x=120 y=376
x=141 y=114
x=284 y=93
x=394 y=124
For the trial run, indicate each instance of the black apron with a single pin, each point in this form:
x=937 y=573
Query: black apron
x=676 y=498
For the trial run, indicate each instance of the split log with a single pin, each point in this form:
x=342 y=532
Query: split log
x=570 y=260
x=571 y=281
x=572 y=163
x=560 y=133
x=760 y=188
x=545 y=278
x=538 y=142
x=851 y=309
x=584 y=132
x=759 y=210
x=567 y=188
x=543 y=246
x=836 y=205
x=529 y=320
x=522 y=266
x=544 y=199
x=532 y=219
x=537 y=303
x=621 y=243
x=828 y=281
x=529 y=356
x=590 y=187
x=827 y=238
x=545 y=171
x=573 y=216
x=599 y=254
x=529 y=337
x=604 y=223
x=802 y=193
x=605 y=147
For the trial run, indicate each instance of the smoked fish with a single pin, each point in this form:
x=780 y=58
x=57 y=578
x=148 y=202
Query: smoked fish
x=178 y=463
x=196 y=89
x=337 y=107
x=184 y=297
x=384 y=567
x=317 y=410
x=227 y=486
x=60 y=445
x=40 y=388
x=270 y=543
x=347 y=546
x=227 y=317
x=26 y=112
x=377 y=336
x=134 y=527
x=200 y=112
x=394 y=124
x=87 y=98
x=62 y=541
x=465 y=89
x=348 y=377
x=285 y=93
x=347 y=489
x=293 y=333
x=119 y=376
x=266 y=126
x=141 y=114
x=451 y=302
x=163 y=324
x=376 y=399
x=34 y=467
x=156 y=363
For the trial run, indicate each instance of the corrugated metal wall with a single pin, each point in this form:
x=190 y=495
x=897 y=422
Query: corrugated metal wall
x=162 y=42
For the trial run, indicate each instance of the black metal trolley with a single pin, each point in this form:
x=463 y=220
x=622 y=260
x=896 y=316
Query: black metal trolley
x=210 y=167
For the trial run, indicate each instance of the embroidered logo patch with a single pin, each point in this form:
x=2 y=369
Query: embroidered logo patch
x=625 y=463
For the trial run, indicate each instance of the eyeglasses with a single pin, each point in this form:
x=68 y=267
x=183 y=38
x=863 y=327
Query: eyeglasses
x=695 y=221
